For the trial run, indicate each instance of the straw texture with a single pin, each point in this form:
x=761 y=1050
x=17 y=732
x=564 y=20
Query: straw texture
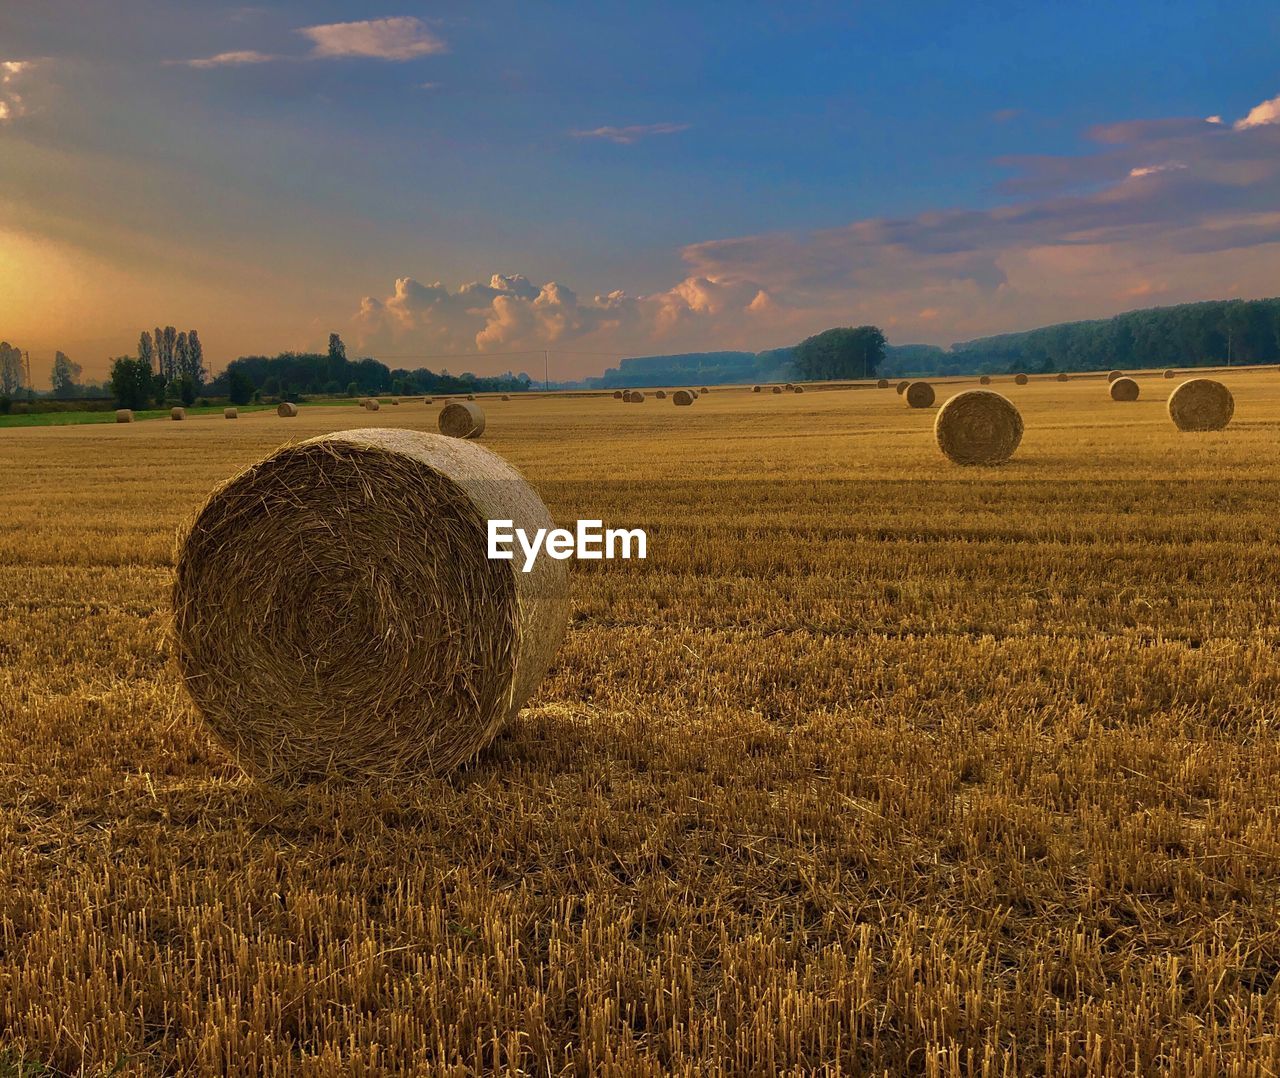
x=1201 y=404
x=978 y=426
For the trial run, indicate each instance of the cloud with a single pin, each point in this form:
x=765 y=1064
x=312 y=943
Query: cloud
x=1268 y=112
x=12 y=75
x=228 y=59
x=400 y=38
x=1152 y=212
x=624 y=136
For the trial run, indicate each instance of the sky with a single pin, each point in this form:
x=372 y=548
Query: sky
x=461 y=186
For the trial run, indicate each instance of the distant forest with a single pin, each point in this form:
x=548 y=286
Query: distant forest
x=1208 y=334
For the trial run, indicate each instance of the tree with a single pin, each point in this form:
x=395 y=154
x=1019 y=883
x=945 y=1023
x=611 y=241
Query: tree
x=353 y=390
x=185 y=389
x=65 y=374
x=181 y=358
x=841 y=353
x=132 y=382
x=167 y=347
x=195 y=358
x=11 y=370
x=146 y=350
x=239 y=386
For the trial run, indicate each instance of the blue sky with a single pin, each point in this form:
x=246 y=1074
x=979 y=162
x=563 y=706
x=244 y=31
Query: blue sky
x=624 y=178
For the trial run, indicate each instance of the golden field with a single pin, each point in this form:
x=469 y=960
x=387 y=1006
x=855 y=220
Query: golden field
x=876 y=765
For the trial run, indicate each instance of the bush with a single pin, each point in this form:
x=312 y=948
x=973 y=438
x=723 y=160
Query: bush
x=5 y=405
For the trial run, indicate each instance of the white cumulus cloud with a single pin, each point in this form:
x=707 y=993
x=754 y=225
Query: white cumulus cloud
x=237 y=58
x=12 y=74
x=624 y=136
x=1268 y=112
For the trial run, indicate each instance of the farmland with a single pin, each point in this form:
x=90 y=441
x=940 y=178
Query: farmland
x=876 y=764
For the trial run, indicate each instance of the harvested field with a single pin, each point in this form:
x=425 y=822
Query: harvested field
x=875 y=762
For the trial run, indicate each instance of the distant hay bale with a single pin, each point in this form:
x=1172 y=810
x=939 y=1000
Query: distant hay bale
x=789 y=386
x=471 y=396
x=506 y=397
x=230 y=413
x=661 y=394
x=1124 y=389
x=372 y=405
x=1170 y=373
x=637 y=397
x=395 y=403
x=124 y=415
x=1062 y=376
x=902 y=387
x=1020 y=379
x=798 y=389
x=461 y=419
x=626 y=396
x=883 y=383
x=336 y=614
x=985 y=380
x=1113 y=375
x=919 y=395
x=177 y=413
x=777 y=389
x=286 y=409
x=1201 y=404
x=682 y=397
x=755 y=389
x=978 y=426
x=617 y=394
x=704 y=389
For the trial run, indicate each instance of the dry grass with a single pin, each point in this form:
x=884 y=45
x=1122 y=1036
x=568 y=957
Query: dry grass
x=871 y=764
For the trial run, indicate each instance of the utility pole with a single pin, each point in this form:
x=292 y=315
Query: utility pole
x=26 y=372
x=546 y=369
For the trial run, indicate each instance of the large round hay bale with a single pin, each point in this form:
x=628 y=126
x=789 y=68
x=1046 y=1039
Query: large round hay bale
x=617 y=394
x=286 y=409
x=1062 y=376
x=1124 y=389
x=230 y=413
x=637 y=397
x=124 y=415
x=461 y=419
x=682 y=397
x=978 y=426
x=661 y=394
x=1201 y=404
x=789 y=386
x=883 y=383
x=1020 y=379
x=798 y=389
x=901 y=387
x=1113 y=375
x=372 y=405
x=336 y=614
x=777 y=389
x=755 y=389
x=704 y=389
x=985 y=380
x=626 y=396
x=1170 y=373
x=177 y=413
x=919 y=395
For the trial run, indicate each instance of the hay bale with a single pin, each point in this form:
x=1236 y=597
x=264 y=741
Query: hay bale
x=1113 y=375
x=617 y=394
x=471 y=396
x=372 y=405
x=798 y=389
x=124 y=415
x=777 y=389
x=230 y=413
x=682 y=397
x=661 y=394
x=978 y=426
x=461 y=419
x=506 y=397
x=883 y=383
x=286 y=409
x=789 y=387
x=1020 y=379
x=901 y=387
x=704 y=389
x=985 y=380
x=1124 y=389
x=1062 y=376
x=637 y=397
x=1169 y=373
x=335 y=613
x=755 y=389
x=919 y=395
x=177 y=414
x=626 y=396
x=1201 y=404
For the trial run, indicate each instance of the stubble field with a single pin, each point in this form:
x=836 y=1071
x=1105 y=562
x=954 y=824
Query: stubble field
x=876 y=765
